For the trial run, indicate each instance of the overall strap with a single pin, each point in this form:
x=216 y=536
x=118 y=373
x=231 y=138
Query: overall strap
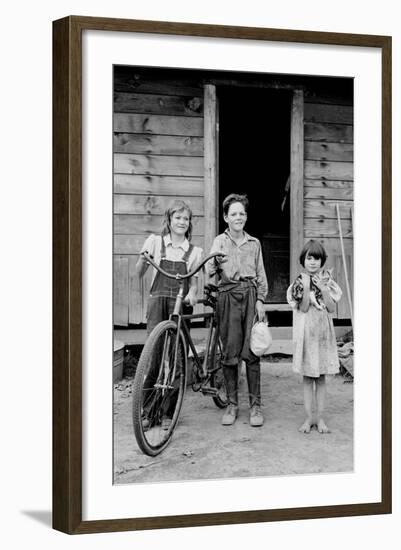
x=162 y=248
x=187 y=254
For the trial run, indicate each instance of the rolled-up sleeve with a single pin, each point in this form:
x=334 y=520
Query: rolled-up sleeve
x=211 y=266
x=261 y=279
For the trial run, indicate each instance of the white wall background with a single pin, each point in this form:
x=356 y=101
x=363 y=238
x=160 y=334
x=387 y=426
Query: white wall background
x=25 y=275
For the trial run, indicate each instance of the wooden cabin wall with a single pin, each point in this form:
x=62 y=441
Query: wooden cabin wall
x=158 y=155
x=328 y=180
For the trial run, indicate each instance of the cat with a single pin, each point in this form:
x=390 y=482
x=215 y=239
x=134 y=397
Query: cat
x=315 y=294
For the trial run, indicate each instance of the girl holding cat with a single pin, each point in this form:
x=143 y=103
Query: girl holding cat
x=313 y=296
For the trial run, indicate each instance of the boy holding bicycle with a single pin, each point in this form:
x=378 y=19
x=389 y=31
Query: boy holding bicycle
x=242 y=290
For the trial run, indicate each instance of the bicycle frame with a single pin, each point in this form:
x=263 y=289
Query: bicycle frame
x=178 y=318
x=211 y=341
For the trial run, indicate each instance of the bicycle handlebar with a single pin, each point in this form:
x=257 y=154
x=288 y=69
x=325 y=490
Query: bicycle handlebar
x=178 y=276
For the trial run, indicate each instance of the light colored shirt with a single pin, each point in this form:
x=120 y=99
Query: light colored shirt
x=244 y=261
x=174 y=253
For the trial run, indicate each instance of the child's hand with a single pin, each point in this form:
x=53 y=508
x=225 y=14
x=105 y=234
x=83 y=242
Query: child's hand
x=317 y=280
x=260 y=310
x=221 y=259
x=191 y=298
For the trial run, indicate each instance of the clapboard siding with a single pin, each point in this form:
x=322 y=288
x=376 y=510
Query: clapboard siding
x=129 y=224
x=158 y=104
x=139 y=84
x=340 y=152
x=158 y=185
x=336 y=133
x=315 y=169
x=120 y=291
x=158 y=155
x=328 y=181
x=327 y=208
x=158 y=124
x=156 y=165
x=338 y=114
x=328 y=193
x=158 y=145
x=152 y=204
x=320 y=227
x=328 y=98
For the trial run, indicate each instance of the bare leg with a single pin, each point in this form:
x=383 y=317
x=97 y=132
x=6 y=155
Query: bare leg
x=320 y=400
x=308 y=384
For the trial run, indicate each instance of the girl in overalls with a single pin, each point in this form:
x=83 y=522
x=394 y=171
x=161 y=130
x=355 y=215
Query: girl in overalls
x=174 y=253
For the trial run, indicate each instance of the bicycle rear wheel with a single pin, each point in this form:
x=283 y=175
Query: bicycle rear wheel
x=217 y=381
x=158 y=389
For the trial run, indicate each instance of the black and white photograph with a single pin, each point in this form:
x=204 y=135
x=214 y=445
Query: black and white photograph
x=233 y=274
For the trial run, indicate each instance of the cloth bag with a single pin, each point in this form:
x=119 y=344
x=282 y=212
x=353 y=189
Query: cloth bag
x=261 y=338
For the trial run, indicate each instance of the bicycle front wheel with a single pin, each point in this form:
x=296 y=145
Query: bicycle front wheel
x=158 y=388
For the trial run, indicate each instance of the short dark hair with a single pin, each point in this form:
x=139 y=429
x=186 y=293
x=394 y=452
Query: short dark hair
x=234 y=197
x=315 y=249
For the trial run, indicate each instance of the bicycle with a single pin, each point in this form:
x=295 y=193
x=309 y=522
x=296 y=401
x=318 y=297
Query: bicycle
x=160 y=379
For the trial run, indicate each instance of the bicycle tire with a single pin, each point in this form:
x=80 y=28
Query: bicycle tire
x=217 y=381
x=155 y=394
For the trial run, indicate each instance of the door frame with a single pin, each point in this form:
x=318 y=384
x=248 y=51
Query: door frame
x=211 y=172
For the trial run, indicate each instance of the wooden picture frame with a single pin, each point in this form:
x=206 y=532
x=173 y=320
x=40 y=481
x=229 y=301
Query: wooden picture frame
x=67 y=273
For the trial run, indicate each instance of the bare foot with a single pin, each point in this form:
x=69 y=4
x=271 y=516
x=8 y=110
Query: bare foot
x=322 y=427
x=306 y=426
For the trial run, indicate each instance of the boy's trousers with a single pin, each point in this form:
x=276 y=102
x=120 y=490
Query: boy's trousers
x=236 y=312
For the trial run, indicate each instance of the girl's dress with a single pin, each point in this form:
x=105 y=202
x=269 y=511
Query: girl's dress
x=315 y=347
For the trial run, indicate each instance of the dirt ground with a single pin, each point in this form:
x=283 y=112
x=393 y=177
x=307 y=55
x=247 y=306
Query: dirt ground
x=201 y=448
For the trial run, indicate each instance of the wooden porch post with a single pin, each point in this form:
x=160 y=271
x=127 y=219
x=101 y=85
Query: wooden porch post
x=296 y=181
x=210 y=164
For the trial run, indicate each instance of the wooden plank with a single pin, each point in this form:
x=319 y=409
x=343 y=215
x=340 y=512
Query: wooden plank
x=339 y=133
x=158 y=124
x=135 y=308
x=328 y=98
x=158 y=165
x=329 y=184
x=337 y=114
x=333 y=246
x=296 y=180
x=327 y=209
x=316 y=150
x=158 y=104
x=320 y=227
x=145 y=205
x=128 y=224
x=210 y=163
x=331 y=170
x=158 y=185
x=158 y=145
x=132 y=244
x=322 y=192
x=138 y=83
x=120 y=291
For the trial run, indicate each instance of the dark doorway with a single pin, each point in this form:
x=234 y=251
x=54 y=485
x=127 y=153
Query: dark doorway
x=254 y=158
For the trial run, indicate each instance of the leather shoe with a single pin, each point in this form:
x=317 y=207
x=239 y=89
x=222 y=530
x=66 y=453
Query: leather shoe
x=256 y=416
x=230 y=415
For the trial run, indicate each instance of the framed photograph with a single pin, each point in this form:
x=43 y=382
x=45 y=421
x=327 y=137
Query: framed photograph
x=167 y=139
